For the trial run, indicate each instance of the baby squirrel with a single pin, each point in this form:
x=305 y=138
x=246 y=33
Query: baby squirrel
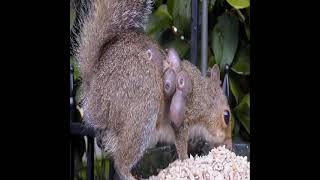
x=124 y=92
x=205 y=113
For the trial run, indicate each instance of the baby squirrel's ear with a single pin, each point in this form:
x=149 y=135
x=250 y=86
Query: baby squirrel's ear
x=215 y=73
x=173 y=55
x=208 y=74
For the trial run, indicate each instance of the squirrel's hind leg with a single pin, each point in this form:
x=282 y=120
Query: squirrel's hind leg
x=135 y=137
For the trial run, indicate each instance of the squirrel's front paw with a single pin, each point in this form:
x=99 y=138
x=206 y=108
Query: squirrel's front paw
x=183 y=156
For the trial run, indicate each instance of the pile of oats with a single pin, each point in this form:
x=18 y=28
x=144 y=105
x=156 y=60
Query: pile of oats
x=219 y=164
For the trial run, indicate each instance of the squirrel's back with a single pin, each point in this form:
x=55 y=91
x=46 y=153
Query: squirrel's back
x=114 y=62
x=105 y=20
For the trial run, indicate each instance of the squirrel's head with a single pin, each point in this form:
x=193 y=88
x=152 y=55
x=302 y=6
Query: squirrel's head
x=204 y=106
x=219 y=118
x=208 y=110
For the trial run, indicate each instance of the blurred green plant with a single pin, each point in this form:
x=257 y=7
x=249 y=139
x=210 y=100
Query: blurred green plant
x=101 y=169
x=229 y=43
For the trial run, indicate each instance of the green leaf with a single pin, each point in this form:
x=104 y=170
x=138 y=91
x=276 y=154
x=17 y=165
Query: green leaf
x=239 y=4
x=158 y=22
x=232 y=121
x=170 y=4
x=162 y=11
x=244 y=120
x=241 y=63
x=158 y=3
x=219 y=2
x=211 y=5
x=225 y=39
x=248 y=12
x=72 y=16
x=181 y=13
x=180 y=46
x=243 y=112
x=246 y=99
x=235 y=127
x=212 y=61
x=212 y=2
x=247 y=28
x=76 y=75
x=235 y=89
x=76 y=72
x=247 y=23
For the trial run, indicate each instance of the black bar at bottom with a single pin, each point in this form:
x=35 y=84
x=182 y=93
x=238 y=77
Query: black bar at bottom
x=90 y=158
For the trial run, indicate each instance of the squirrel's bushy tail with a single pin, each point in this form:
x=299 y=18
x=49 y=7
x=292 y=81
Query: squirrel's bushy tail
x=104 y=20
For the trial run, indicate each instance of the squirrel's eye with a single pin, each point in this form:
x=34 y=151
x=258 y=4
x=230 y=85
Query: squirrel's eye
x=226 y=116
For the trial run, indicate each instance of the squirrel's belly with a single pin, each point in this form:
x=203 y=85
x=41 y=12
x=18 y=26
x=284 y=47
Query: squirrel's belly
x=164 y=133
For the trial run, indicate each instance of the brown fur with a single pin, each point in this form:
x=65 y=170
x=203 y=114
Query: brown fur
x=206 y=106
x=125 y=99
x=204 y=115
x=123 y=89
x=105 y=21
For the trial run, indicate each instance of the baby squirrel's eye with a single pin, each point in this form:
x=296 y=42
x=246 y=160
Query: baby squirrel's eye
x=226 y=116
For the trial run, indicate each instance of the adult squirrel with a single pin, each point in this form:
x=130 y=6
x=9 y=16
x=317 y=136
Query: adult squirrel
x=123 y=92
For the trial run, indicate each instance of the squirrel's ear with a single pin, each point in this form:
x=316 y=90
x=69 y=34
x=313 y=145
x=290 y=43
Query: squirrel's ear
x=215 y=73
x=173 y=55
x=173 y=60
x=208 y=74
